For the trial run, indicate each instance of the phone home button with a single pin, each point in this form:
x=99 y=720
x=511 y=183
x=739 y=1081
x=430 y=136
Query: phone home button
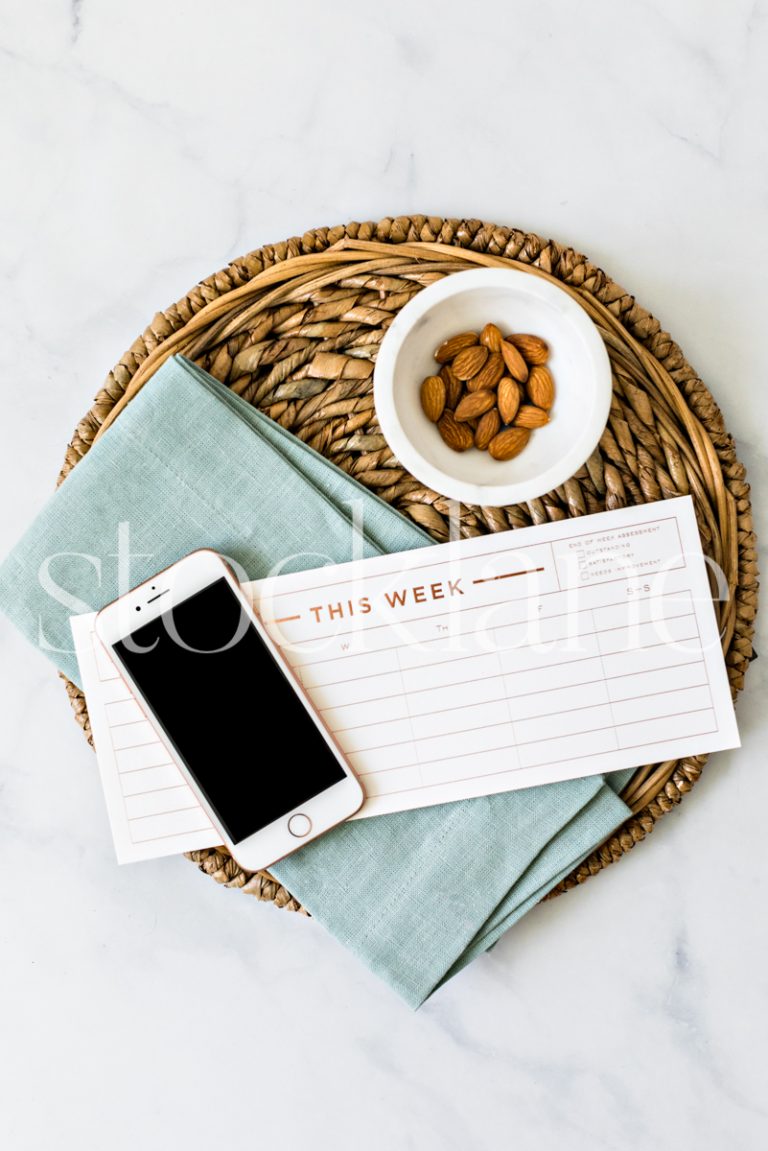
x=300 y=825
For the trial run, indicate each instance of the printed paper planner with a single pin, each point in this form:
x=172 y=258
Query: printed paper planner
x=471 y=667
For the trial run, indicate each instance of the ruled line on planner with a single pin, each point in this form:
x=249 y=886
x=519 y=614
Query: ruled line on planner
x=541 y=691
x=709 y=685
x=479 y=654
x=554 y=566
x=423 y=739
x=508 y=575
x=534 y=767
x=496 y=675
x=154 y=814
x=541 y=715
x=530 y=742
x=155 y=790
x=417 y=668
x=605 y=677
x=144 y=766
x=133 y=746
x=172 y=834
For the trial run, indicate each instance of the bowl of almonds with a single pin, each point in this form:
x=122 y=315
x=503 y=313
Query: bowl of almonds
x=492 y=386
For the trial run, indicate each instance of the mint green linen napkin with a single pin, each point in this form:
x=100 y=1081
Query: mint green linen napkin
x=416 y=895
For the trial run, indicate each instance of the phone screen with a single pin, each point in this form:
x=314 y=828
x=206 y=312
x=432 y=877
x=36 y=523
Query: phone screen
x=221 y=699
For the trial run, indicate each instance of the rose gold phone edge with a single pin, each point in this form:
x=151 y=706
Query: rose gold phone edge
x=110 y=614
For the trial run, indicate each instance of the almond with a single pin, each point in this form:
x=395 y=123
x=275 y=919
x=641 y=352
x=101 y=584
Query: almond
x=516 y=365
x=457 y=436
x=529 y=416
x=487 y=427
x=490 y=391
x=533 y=349
x=452 y=347
x=541 y=387
x=469 y=362
x=509 y=443
x=453 y=388
x=474 y=404
x=489 y=375
x=508 y=399
x=491 y=337
x=433 y=397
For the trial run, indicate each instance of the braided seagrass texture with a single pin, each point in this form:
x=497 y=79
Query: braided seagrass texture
x=295 y=327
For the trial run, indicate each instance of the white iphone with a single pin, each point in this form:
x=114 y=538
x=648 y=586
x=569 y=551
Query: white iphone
x=223 y=699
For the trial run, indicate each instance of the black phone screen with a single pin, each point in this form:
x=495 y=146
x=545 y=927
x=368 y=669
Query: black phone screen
x=222 y=700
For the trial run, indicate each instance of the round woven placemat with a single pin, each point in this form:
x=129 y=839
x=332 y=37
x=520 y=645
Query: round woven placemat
x=294 y=328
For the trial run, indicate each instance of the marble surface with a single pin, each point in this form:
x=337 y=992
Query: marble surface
x=143 y=146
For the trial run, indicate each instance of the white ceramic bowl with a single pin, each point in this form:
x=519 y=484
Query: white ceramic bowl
x=518 y=302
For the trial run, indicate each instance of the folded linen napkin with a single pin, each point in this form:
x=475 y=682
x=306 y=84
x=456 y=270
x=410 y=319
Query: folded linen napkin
x=416 y=895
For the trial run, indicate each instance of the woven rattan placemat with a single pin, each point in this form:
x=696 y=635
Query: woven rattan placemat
x=294 y=328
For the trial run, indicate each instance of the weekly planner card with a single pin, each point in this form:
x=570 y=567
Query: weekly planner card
x=472 y=667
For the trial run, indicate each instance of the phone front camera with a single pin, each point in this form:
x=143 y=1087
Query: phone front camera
x=138 y=608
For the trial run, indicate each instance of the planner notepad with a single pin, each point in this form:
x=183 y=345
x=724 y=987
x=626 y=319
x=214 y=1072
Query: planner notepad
x=467 y=668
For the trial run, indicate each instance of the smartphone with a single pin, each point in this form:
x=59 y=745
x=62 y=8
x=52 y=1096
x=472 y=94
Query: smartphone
x=224 y=700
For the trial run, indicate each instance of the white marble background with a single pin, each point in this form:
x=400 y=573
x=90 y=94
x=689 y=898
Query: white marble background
x=144 y=145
